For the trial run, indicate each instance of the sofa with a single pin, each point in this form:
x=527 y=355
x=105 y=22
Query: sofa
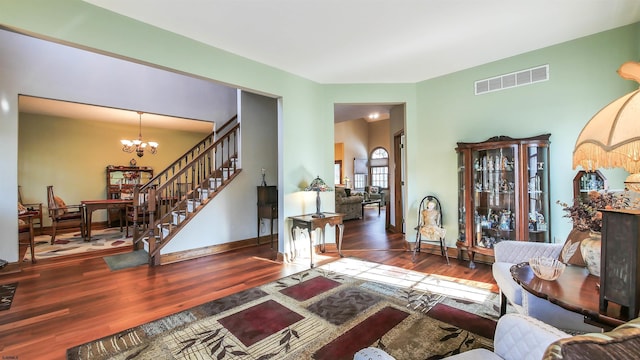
x=374 y=193
x=508 y=253
x=521 y=337
x=349 y=205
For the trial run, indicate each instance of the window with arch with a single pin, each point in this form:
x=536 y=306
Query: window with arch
x=379 y=168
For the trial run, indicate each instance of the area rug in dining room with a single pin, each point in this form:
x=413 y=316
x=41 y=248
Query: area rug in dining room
x=73 y=243
x=329 y=312
x=7 y=291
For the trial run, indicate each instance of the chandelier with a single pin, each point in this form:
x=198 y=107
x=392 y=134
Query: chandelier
x=138 y=145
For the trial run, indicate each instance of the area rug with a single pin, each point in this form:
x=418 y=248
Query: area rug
x=127 y=260
x=7 y=292
x=73 y=243
x=329 y=312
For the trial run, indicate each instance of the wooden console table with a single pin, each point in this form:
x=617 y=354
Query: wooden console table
x=312 y=223
x=92 y=205
x=575 y=290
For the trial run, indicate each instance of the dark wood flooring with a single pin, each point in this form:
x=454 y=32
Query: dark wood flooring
x=63 y=303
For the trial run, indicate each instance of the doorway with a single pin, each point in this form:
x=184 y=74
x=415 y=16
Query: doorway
x=360 y=129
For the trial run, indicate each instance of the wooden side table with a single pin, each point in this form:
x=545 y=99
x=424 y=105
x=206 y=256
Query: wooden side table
x=311 y=223
x=36 y=210
x=267 y=207
x=575 y=290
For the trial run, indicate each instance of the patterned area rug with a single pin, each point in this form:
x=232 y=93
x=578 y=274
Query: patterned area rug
x=329 y=312
x=7 y=292
x=73 y=243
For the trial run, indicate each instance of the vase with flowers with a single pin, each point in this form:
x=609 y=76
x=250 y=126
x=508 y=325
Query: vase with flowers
x=586 y=216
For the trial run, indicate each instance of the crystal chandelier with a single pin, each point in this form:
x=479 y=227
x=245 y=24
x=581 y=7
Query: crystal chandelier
x=138 y=145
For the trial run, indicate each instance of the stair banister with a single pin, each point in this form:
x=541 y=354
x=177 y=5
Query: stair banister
x=166 y=194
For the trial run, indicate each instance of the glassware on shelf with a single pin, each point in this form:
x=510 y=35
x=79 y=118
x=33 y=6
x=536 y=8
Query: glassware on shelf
x=504 y=185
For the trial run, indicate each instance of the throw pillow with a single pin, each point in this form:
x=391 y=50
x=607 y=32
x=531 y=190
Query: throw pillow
x=374 y=189
x=21 y=208
x=621 y=343
x=60 y=205
x=570 y=253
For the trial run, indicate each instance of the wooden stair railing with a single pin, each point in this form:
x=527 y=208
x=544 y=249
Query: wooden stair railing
x=174 y=196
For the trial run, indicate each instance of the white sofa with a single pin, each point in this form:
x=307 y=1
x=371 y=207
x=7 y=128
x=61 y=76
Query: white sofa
x=518 y=337
x=521 y=337
x=509 y=253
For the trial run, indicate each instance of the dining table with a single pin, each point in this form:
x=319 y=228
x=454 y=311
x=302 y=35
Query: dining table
x=90 y=206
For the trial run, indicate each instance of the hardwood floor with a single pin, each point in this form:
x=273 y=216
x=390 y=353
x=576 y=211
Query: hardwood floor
x=63 y=303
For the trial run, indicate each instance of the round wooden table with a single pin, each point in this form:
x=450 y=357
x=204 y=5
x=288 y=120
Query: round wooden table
x=575 y=290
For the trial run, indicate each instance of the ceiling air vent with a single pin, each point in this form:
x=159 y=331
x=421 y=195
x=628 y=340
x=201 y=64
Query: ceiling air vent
x=514 y=79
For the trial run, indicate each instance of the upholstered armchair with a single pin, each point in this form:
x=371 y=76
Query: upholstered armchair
x=374 y=193
x=521 y=337
x=34 y=208
x=518 y=337
x=350 y=206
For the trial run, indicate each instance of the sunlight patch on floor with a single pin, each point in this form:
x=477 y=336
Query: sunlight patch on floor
x=399 y=277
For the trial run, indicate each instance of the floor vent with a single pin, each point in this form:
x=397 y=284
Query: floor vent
x=514 y=79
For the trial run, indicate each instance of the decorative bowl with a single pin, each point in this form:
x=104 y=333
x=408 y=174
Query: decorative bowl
x=546 y=268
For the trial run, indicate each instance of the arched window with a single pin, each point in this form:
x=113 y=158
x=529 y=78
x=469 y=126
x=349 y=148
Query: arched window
x=379 y=168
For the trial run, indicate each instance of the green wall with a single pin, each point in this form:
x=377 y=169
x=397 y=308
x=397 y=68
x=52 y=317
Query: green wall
x=72 y=155
x=582 y=80
x=439 y=112
x=305 y=120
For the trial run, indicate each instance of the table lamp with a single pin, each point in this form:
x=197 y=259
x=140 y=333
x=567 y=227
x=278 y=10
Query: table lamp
x=317 y=185
x=611 y=139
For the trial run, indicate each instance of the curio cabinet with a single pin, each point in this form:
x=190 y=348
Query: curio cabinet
x=503 y=193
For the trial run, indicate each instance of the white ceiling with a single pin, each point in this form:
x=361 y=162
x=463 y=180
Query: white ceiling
x=345 y=112
x=379 y=41
x=367 y=41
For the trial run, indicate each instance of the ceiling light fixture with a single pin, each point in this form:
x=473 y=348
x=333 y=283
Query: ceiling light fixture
x=138 y=145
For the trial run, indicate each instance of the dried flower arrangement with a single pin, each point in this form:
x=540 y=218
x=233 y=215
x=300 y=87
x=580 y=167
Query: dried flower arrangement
x=585 y=214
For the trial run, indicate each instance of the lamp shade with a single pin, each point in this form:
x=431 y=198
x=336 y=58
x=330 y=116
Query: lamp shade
x=318 y=185
x=611 y=138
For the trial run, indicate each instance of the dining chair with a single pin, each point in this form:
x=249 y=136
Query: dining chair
x=59 y=212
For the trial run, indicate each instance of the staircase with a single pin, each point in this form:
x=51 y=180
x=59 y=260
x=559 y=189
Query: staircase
x=165 y=204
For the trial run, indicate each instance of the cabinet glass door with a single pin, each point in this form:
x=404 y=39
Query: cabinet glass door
x=494 y=195
x=121 y=180
x=462 y=213
x=538 y=193
x=584 y=182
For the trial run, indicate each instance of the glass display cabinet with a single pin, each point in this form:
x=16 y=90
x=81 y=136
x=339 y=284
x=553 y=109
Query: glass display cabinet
x=503 y=193
x=585 y=181
x=122 y=179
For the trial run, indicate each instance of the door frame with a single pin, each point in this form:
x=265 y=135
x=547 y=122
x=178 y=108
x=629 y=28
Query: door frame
x=399 y=182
